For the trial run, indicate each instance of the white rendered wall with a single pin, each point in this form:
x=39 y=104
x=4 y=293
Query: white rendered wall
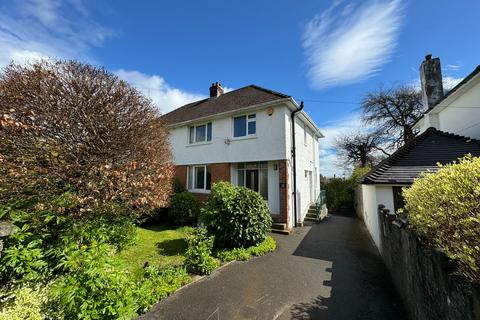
x=268 y=144
x=462 y=116
x=373 y=196
x=307 y=159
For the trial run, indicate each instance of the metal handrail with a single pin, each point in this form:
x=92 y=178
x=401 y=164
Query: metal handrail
x=321 y=201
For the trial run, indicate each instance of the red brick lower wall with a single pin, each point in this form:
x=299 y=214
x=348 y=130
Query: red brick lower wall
x=219 y=171
x=284 y=196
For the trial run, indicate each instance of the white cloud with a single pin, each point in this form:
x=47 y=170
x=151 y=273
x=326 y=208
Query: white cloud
x=163 y=95
x=35 y=29
x=450 y=82
x=38 y=29
x=345 y=45
x=453 y=67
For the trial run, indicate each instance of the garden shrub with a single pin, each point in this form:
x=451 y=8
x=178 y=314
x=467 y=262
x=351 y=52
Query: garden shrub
x=26 y=303
x=184 y=209
x=198 y=258
x=156 y=284
x=444 y=209
x=46 y=235
x=237 y=216
x=94 y=287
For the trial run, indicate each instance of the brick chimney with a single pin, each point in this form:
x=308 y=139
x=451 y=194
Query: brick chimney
x=216 y=90
x=431 y=81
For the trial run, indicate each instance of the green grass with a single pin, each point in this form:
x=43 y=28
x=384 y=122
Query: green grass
x=160 y=246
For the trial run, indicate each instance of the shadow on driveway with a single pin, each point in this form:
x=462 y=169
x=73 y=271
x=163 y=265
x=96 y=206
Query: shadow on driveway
x=361 y=287
x=329 y=270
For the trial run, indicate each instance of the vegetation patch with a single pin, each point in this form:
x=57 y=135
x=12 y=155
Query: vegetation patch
x=444 y=209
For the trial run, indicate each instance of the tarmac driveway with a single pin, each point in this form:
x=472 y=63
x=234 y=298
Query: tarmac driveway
x=329 y=270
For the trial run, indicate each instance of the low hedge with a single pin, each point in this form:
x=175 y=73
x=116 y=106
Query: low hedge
x=243 y=254
x=444 y=209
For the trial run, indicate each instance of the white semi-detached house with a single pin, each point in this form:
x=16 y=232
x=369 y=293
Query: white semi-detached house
x=245 y=136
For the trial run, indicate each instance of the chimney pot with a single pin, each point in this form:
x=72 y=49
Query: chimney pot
x=216 y=90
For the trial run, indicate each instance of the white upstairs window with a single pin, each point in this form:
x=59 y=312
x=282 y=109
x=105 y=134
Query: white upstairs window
x=244 y=125
x=200 y=133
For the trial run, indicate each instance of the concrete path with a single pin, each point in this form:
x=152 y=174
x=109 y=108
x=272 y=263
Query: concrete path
x=330 y=270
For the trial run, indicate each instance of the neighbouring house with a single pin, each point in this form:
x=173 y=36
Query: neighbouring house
x=458 y=111
x=246 y=137
x=447 y=131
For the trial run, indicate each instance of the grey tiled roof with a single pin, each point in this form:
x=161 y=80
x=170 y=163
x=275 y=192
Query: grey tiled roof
x=234 y=100
x=420 y=155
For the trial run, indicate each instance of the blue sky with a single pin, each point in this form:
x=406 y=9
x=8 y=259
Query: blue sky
x=327 y=53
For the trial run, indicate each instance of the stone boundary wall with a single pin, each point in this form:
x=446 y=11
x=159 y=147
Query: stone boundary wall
x=424 y=277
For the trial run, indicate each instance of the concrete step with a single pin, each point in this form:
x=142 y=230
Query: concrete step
x=279 y=226
x=310 y=219
x=312 y=210
x=311 y=215
x=287 y=232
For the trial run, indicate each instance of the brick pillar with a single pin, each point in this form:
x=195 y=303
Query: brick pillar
x=284 y=196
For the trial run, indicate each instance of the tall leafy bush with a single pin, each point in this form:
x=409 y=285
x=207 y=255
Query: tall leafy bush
x=65 y=126
x=444 y=209
x=236 y=216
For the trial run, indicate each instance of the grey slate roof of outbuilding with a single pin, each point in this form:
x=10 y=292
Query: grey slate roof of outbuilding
x=420 y=155
x=234 y=100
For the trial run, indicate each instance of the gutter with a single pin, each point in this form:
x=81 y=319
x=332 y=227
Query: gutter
x=294 y=158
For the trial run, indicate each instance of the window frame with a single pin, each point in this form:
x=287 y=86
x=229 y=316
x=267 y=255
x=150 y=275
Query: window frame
x=249 y=118
x=191 y=174
x=192 y=139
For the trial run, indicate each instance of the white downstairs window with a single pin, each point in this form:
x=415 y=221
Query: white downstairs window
x=199 y=178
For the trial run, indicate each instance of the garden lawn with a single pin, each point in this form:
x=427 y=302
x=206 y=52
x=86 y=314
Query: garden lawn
x=160 y=246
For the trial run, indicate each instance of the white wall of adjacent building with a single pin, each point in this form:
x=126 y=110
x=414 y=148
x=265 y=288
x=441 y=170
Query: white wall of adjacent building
x=372 y=196
x=459 y=113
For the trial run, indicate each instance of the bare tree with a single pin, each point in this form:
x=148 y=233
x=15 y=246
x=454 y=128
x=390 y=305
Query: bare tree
x=360 y=149
x=67 y=126
x=393 y=111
